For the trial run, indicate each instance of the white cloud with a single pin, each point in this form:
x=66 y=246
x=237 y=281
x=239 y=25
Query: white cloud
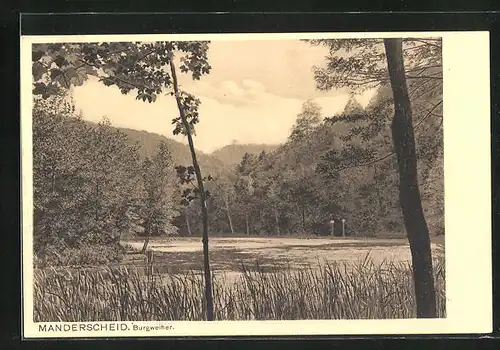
x=229 y=111
x=253 y=85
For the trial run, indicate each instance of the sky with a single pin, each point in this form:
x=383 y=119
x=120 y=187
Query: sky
x=252 y=95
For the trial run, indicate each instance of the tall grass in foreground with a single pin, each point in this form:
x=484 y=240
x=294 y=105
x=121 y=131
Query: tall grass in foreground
x=360 y=290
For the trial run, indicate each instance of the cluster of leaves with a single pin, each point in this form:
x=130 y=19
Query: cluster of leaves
x=187 y=177
x=190 y=105
x=138 y=66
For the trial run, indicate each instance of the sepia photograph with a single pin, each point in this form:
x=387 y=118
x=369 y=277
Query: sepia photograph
x=229 y=179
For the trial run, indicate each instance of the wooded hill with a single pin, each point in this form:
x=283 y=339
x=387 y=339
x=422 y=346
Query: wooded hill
x=149 y=142
x=232 y=154
x=227 y=156
x=95 y=183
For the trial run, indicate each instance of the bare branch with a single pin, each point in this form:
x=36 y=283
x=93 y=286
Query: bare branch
x=427 y=91
x=424 y=77
x=426 y=42
x=424 y=67
x=415 y=89
x=429 y=113
x=367 y=163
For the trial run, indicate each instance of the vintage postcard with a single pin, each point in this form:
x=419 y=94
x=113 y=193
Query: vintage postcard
x=256 y=184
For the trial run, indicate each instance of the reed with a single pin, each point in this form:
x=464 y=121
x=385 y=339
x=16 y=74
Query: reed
x=341 y=290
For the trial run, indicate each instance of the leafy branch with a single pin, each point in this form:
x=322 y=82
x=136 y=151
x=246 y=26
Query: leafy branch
x=364 y=155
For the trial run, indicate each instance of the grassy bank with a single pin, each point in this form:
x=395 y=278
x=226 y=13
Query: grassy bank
x=360 y=290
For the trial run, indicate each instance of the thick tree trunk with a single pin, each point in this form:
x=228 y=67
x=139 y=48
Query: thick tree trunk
x=409 y=194
x=203 y=202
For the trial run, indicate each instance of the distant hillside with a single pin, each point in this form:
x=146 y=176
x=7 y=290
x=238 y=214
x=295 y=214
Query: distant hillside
x=181 y=155
x=232 y=154
x=149 y=143
x=220 y=160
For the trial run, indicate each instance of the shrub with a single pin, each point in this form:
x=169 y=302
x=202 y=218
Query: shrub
x=85 y=255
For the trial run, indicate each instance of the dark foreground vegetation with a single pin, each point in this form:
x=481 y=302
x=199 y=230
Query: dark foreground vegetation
x=360 y=290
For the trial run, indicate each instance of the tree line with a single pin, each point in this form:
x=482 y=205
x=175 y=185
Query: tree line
x=297 y=188
x=90 y=183
x=94 y=185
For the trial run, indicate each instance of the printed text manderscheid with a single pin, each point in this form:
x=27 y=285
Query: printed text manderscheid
x=99 y=327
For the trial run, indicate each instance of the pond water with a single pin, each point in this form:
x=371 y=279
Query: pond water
x=230 y=254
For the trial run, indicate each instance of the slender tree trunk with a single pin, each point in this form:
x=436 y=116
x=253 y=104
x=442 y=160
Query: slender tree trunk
x=304 y=218
x=187 y=222
x=409 y=194
x=203 y=202
x=247 y=223
x=230 y=222
x=148 y=234
x=229 y=216
x=277 y=222
x=379 y=196
x=97 y=201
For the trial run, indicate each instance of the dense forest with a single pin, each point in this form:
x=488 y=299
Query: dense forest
x=95 y=183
